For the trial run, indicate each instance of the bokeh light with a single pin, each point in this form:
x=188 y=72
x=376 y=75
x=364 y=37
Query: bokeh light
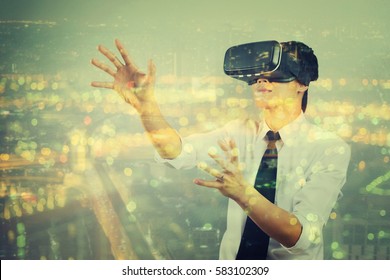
x=78 y=176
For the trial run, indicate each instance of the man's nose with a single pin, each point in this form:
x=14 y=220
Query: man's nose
x=262 y=81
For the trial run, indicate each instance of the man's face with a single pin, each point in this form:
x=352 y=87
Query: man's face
x=270 y=95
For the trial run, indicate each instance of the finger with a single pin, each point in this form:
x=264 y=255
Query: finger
x=230 y=149
x=107 y=53
x=103 y=67
x=103 y=85
x=218 y=160
x=234 y=151
x=230 y=154
x=224 y=147
x=124 y=53
x=151 y=70
x=211 y=171
x=208 y=184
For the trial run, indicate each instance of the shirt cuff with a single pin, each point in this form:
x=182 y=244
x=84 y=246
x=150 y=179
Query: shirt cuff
x=185 y=160
x=311 y=235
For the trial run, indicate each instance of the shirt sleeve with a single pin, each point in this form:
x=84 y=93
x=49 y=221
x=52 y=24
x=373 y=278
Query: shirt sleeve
x=313 y=203
x=186 y=159
x=195 y=147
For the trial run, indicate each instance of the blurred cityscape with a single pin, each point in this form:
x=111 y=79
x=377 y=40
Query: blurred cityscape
x=78 y=176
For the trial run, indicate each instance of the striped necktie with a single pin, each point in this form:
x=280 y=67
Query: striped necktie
x=254 y=242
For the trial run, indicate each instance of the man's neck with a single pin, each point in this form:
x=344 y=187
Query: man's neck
x=278 y=118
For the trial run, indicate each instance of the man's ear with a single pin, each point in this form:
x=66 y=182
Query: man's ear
x=302 y=88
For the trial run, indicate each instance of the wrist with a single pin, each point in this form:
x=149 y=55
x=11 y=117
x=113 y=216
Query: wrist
x=248 y=198
x=149 y=108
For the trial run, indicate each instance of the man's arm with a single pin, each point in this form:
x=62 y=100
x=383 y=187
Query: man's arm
x=273 y=220
x=285 y=227
x=137 y=89
x=164 y=138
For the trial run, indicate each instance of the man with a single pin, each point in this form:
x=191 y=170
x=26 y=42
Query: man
x=286 y=220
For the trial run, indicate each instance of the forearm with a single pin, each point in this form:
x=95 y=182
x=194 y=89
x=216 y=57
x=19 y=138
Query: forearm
x=164 y=138
x=273 y=220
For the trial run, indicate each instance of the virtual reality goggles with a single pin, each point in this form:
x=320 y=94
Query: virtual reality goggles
x=271 y=60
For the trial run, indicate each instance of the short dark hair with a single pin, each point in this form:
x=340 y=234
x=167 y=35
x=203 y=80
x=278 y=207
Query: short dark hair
x=303 y=64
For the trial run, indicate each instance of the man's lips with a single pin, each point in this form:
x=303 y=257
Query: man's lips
x=263 y=90
x=261 y=93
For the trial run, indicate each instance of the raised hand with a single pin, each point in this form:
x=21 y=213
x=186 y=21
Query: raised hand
x=229 y=180
x=134 y=86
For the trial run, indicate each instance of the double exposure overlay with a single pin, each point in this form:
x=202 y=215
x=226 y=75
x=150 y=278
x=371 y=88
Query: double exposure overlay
x=78 y=178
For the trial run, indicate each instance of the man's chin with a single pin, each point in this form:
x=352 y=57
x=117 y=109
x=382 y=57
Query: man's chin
x=261 y=105
x=266 y=104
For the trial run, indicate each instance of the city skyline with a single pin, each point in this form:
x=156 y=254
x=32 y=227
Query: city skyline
x=58 y=134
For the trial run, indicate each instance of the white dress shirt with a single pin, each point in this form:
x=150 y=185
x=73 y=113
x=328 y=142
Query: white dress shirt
x=312 y=167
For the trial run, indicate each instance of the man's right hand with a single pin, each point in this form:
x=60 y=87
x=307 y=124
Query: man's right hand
x=134 y=86
x=137 y=89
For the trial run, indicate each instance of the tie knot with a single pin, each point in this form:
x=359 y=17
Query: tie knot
x=273 y=136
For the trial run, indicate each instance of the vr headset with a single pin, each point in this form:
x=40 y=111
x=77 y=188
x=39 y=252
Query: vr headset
x=271 y=60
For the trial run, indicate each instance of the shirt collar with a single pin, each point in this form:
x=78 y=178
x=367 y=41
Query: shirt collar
x=288 y=131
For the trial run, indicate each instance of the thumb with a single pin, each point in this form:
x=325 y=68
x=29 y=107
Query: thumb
x=151 y=70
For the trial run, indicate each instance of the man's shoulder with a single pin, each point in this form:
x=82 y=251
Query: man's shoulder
x=243 y=124
x=315 y=133
x=322 y=139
